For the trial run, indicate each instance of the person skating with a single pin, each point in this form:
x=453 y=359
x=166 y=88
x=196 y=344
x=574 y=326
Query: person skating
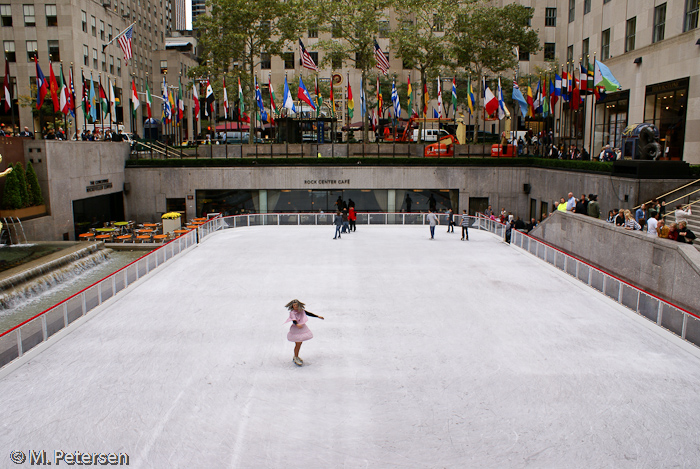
x=298 y=332
x=465 y=226
x=352 y=218
x=450 y=221
x=338 y=222
x=433 y=220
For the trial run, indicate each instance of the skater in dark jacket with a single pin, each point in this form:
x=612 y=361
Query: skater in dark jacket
x=298 y=331
x=338 y=222
x=465 y=226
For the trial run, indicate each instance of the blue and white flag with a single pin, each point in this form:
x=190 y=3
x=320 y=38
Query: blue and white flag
x=435 y=114
x=395 y=100
x=502 y=110
x=93 y=104
x=166 y=104
x=258 y=99
x=363 y=102
x=519 y=98
x=288 y=102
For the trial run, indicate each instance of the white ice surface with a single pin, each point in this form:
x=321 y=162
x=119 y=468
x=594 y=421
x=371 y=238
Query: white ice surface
x=433 y=354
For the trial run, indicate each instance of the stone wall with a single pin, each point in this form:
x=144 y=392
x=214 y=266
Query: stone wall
x=668 y=269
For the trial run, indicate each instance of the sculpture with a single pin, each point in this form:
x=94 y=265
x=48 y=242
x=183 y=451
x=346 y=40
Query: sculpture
x=649 y=148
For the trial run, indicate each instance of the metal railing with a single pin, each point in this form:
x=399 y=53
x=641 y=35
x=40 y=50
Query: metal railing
x=17 y=341
x=673 y=318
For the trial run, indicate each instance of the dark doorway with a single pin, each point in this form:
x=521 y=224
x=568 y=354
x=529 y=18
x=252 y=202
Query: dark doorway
x=478 y=205
x=94 y=212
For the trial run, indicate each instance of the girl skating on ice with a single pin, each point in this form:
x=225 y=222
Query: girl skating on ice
x=299 y=331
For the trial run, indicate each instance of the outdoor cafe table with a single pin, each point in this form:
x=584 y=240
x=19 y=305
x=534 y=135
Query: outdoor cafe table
x=150 y=225
x=121 y=223
x=181 y=231
x=146 y=230
x=103 y=237
x=106 y=230
x=86 y=235
x=199 y=219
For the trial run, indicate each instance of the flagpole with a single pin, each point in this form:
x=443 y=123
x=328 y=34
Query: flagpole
x=104 y=46
x=593 y=113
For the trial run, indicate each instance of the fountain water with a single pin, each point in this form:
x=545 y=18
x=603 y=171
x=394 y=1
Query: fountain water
x=6 y=228
x=22 y=227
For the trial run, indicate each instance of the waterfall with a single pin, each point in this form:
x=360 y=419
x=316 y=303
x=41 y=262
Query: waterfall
x=40 y=279
x=23 y=234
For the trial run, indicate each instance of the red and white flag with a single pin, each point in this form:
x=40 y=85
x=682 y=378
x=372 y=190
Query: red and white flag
x=225 y=100
x=306 y=60
x=125 y=42
x=195 y=98
x=7 y=95
x=382 y=62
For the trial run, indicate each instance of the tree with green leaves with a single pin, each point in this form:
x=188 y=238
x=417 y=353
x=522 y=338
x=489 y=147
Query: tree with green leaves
x=11 y=197
x=420 y=39
x=485 y=40
x=356 y=23
x=21 y=176
x=33 y=188
x=237 y=32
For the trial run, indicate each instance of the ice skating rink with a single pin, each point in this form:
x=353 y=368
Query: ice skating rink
x=433 y=354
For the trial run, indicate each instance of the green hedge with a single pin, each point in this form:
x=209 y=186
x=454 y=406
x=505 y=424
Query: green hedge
x=589 y=166
x=35 y=197
x=11 y=197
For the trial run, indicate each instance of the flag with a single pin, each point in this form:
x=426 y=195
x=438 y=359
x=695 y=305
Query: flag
x=426 y=99
x=591 y=79
x=584 y=78
x=382 y=62
x=375 y=121
x=395 y=100
x=363 y=102
x=53 y=88
x=332 y=99
x=166 y=105
x=435 y=114
x=225 y=100
x=71 y=92
x=454 y=96
x=557 y=85
x=241 y=102
x=599 y=92
x=180 y=101
x=530 y=103
x=134 y=96
x=62 y=93
x=85 y=97
x=195 y=98
x=439 y=97
x=319 y=98
x=351 y=102
x=575 y=98
x=209 y=98
x=502 y=109
x=7 y=94
x=93 y=100
x=304 y=95
x=564 y=86
x=306 y=60
x=273 y=98
x=471 y=102
x=125 y=42
x=41 y=87
x=171 y=106
x=149 y=100
x=553 y=98
x=520 y=99
x=104 y=102
x=409 y=96
x=490 y=101
x=537 y=103
x=112 y=102
x=287 y=101
x=380 y=99
x=604 y=77
x=261 y=105
x=545 y=98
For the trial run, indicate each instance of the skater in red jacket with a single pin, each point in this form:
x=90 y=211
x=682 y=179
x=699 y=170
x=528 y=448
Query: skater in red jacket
x=352 y=217
x=299 y=331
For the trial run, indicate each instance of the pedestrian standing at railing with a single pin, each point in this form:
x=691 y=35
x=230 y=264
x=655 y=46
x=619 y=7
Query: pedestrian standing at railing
x=652 y=225
x=433 y=220
x=682 y=215
x=450 y=221
x=488 y=212
x=465 y=226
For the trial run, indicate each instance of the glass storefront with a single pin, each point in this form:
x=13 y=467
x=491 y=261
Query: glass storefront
x=234 y=202
x=611 y=120
x=94 y=212
x=665 y=106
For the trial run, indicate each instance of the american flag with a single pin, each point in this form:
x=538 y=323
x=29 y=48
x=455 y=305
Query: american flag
x=306 y=60
x=125 y=42
x=515 y=84
x=382 y=62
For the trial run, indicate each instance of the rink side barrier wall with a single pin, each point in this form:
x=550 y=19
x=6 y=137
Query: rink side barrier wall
x=38 y=329
x=20 y=339
x=669 y=316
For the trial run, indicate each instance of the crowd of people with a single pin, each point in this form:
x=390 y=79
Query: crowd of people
x=649 y=218
x=345 y=217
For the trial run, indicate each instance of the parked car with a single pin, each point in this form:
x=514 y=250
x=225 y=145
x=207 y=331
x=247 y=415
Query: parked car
x=237 y=137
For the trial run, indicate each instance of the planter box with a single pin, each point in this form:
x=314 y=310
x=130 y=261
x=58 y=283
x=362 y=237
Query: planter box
x=23 y=213
x=170 y=225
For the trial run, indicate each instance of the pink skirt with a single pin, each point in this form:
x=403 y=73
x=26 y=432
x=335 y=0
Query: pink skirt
x=299 y=334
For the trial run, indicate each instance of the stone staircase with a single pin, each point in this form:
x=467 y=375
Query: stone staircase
x=694 y=219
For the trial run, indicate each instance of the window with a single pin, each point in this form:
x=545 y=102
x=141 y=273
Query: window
x=585 y=48
x=438 y=23
x=94 y=59
x=86 y=55
x=31 y=50
x=336 y=29
x=606 y=1
x=265 y=61
x=605 y=45
x=102 y=30
x=54 y=52
x=691 y=14
x=572 y=10
x=163 y=67
x=529 y=16
x=586 y=7
x=288 y=58
x=630 y=32
x=383 y=29
x=313 y=32
x=9 y=48
x=103 y=56
x=549 y=50
x=119 y=67
x=84 y=18
x=570 y=54
x=93 y=26
x=109 y=32
x=6 y=15
x=29 y=18
x=51 y=16
x=523 y=55
x=407 y=64
x=314 y=57
x=550 y=17
x=337 y=63
x=659 y=23
x=111 y=64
